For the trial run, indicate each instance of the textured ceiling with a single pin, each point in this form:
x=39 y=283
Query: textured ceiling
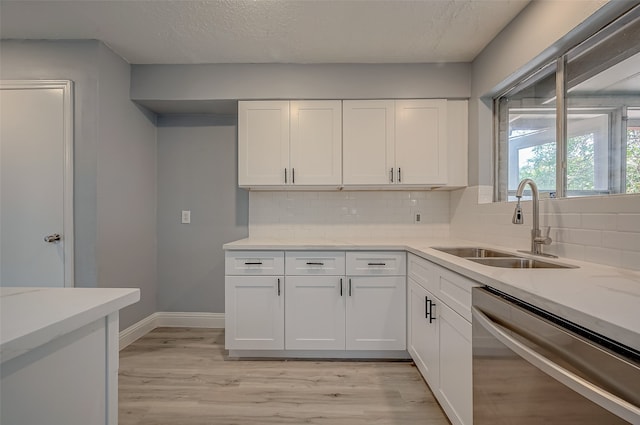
x=268 y=31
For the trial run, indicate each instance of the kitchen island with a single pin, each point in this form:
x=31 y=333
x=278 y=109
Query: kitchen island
x=59 y=354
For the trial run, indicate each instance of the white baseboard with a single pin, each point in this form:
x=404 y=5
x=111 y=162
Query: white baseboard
x=171 y=320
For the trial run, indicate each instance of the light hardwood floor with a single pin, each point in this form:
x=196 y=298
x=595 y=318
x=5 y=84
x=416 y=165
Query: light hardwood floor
x=182 y=376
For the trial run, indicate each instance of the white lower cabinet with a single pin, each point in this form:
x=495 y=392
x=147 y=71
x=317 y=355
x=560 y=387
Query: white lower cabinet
x=376 y=312
x=254 y=312
x=423 y=333
x=313 y=305
x=315 y=313
x=440 y=337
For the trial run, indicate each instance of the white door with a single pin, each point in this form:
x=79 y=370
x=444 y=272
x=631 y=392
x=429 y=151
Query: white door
x=263 y=143
x=376 y=313
x=316 y=142
x=421 y=141
x=254 y=312
x=315 y=313
x=36 y=183
x=368 y=142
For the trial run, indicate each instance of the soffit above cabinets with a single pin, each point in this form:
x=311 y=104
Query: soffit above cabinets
x=283 y=31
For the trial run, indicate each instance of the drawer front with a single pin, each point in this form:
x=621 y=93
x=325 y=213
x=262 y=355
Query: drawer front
x=423 y=272
x=455 y=291
x=266 y=263
x=376 y=263
x=314 y=263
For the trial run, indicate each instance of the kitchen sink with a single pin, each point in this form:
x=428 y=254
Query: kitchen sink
x=490 y=257
x=467 y=252
x=519 y=263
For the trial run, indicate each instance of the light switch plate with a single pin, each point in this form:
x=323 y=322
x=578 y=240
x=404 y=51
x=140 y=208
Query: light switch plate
x=186 y=216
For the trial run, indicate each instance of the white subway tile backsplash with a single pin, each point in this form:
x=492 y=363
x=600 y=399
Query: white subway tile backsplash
x=599 y=221
x=629 y=222
x=367 y=214
x=603 y=230
x=621 y=240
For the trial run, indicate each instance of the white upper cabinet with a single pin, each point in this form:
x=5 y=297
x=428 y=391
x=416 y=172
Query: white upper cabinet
x=421 y=142
x=282 y=143
x=316 y=142
x=263 y=142
x=386 y=144
x=395 y=142
x=368 y=141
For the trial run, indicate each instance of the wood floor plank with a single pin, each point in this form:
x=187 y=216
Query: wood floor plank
x=182 y=376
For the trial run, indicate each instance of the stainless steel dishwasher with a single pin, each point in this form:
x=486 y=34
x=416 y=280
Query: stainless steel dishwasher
x=531 y=367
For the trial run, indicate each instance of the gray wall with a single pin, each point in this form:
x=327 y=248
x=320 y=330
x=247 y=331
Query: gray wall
x=290 y=81
x=197 y=171
x=126 y=188
x=114 y=164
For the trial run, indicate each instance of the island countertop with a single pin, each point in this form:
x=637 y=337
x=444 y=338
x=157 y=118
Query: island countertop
x=31 y=317
x=601 y=298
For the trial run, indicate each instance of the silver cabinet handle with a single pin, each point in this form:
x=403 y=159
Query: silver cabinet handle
x=589 y=390
x=399 y=175
x=340 y=286
x=53 y=238
x=349 y=287
x=278 y=287
x=293 y=176
x=285 y=175
x=391 y=174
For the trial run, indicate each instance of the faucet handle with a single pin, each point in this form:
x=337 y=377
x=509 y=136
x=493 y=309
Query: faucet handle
x=547 y=240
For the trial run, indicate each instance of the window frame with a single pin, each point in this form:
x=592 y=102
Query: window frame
x=564 y=102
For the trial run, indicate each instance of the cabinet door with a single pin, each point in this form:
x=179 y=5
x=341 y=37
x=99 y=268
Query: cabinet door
x=263 y=142
x=455 y=391
x=423 y=333
x=368 y=141
x=421 y=141
x=315 y=313
x=254 y=312
x=376 y=313
x=316 y=142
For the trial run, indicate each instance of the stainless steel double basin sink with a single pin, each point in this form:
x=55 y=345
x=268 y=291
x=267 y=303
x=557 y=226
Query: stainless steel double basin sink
x=490 y=257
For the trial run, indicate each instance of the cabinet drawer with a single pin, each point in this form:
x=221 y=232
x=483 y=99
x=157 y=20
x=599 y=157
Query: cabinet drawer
x=422 y=272
x=455 y=291
x=329 y=263
x=372 y=263
x=266 y=263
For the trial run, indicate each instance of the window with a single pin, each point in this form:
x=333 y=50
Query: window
x=573 y=126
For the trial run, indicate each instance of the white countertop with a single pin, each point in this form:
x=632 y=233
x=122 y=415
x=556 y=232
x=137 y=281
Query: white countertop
x=30 y=317
x=603 y=299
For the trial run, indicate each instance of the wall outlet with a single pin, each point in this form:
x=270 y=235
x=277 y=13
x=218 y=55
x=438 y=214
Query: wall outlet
x=417 y=219
x=186 y=217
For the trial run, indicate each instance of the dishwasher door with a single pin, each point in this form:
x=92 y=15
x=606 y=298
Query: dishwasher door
x=528 y=368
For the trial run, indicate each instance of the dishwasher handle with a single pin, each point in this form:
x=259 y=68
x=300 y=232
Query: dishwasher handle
x=601 y=397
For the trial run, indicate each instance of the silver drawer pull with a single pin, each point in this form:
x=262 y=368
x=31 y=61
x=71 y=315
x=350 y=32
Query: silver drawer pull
x=314 y=264
x=255 y=263
x=377 y=264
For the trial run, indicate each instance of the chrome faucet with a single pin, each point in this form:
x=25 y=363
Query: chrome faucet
x=537 y=240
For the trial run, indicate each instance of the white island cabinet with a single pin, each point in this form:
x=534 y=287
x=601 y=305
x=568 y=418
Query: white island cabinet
x=59 y=353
